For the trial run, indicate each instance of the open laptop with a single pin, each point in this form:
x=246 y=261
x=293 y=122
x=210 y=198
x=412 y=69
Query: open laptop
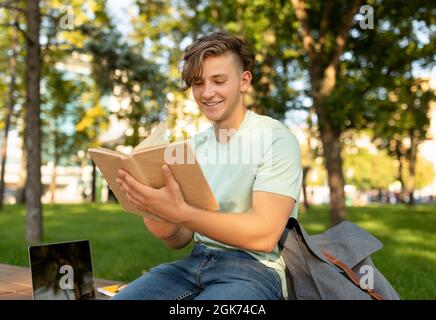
x=62 y=271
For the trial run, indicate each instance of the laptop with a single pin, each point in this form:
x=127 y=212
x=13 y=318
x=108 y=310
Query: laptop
x=62 y=271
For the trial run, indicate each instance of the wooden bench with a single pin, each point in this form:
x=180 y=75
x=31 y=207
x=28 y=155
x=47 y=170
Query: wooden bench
x=16 y=283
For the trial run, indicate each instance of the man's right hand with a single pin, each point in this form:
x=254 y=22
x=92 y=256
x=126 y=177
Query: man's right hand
x=161 y=229
x=170 y=233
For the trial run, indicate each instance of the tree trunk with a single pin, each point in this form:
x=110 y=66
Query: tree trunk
x=411 y=184
x=306 y=200
x=323 y=80
x=34 y=232
x=22 y=177
x=400 y=170
x=53 y=173
x=333 y=163
x=53 y=183
x=93 y=182
x=9 y=112
x=322 y=86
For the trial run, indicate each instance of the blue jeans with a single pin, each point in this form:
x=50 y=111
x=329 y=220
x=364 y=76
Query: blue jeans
x=207 y=274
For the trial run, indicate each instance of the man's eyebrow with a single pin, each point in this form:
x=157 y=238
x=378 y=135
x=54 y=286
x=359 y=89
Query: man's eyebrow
x=219 y=75
x=213 y=76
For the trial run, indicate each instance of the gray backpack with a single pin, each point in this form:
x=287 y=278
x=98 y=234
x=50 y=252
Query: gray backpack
x=334 y=265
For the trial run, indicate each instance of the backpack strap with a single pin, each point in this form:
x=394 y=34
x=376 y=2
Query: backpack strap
x=374 y=294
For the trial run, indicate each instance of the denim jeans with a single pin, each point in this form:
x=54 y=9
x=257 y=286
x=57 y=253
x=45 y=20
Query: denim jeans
x=207 y=274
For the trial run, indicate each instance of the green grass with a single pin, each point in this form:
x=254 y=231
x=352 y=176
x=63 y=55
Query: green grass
x=122 y=249
x=408 y=256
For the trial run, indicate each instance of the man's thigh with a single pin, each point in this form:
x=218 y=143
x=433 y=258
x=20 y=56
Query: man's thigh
x=238 y=276
x=167 y=281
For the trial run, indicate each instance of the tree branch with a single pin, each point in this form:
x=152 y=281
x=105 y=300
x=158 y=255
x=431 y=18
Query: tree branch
x=343 y=33
x=301 y=13
x=325 y=22
x=11 y=7
x=17 y=26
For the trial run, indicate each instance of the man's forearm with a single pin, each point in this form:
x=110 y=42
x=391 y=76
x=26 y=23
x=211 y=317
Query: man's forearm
x=180 y=239
x=248 y=230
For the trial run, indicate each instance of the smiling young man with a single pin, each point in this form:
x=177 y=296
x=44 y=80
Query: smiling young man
x=252 y=164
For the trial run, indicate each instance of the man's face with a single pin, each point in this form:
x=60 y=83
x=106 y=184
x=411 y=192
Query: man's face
x=220 y=90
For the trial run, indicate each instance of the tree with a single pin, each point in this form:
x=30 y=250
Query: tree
x=272 y=40
x=324 y=31
x=49 y=23
x=376 y=85
x=405 y=128
x=425 y=173
x=367 y=170
x=33 y=130
x=10 y=104
x=59 y=111
x=93 y=120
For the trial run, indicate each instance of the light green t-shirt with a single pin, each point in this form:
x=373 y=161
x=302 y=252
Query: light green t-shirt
x=262 y=155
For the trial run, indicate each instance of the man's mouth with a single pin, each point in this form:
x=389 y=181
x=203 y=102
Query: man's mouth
x=211 y=103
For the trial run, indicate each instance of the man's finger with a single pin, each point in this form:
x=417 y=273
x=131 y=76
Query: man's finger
x=135 y=185
x=169 y=178
x=135 y=201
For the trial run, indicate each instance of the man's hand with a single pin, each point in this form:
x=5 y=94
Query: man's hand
x=161 y=229
x=167 y=202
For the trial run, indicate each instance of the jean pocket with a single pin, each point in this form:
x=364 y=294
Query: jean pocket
x=277 y=281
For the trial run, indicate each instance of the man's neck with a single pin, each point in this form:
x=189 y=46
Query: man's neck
x=229 y=125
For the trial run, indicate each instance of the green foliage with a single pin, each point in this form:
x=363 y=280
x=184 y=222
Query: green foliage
x=263 y=24
x=59 y=111
x=7 y=36
x=425 y=173
x=119 y=69
x=375 y=75
x=367 y=170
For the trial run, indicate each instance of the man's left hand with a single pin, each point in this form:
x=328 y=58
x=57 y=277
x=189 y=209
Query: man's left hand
x=167 y=202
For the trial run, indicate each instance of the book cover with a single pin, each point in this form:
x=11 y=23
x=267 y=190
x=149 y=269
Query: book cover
x=145 y=163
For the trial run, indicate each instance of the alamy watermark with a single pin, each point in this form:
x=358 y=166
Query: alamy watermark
x=66 y=21
x=367 y=280
x=67 y=280
x=367 y=21
x=233 y=147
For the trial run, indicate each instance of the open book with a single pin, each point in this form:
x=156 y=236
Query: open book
x=145 y=163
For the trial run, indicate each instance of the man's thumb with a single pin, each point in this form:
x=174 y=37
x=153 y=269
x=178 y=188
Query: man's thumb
x=169 y=178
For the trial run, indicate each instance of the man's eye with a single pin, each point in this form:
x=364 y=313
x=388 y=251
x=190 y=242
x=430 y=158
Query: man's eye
x=219 y=82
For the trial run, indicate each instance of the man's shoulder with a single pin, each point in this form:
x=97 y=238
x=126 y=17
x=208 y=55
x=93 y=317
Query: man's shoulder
x=263 y=122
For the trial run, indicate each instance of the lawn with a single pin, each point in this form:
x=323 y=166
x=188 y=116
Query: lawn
x=122 y=249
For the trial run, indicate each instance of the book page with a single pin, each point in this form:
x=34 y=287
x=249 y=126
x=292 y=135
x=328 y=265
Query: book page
x=108 y=151
x=157 y=137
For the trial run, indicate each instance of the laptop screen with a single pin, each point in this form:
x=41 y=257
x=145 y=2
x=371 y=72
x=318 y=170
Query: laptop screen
x=62 y=271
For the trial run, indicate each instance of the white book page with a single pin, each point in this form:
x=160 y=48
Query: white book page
x=157 y=137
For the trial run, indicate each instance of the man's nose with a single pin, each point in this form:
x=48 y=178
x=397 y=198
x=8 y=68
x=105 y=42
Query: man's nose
x=208 y=91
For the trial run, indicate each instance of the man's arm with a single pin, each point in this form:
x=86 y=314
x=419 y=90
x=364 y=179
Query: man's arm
x=180 y=240
x=173 y=235
x=257 y=230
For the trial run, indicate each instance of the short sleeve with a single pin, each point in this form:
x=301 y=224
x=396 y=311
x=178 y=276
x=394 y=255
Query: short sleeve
x=280 y=168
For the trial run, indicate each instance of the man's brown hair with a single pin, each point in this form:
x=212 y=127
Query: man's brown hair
x=214 y=44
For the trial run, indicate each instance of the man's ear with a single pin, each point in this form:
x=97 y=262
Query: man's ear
x=245 y=81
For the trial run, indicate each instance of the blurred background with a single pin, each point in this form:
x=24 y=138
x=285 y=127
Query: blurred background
x=353 y=80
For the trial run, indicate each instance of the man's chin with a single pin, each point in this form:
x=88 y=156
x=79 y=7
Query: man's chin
x=213 y=115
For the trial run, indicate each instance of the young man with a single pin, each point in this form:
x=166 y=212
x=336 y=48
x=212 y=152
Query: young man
x=235 y=255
